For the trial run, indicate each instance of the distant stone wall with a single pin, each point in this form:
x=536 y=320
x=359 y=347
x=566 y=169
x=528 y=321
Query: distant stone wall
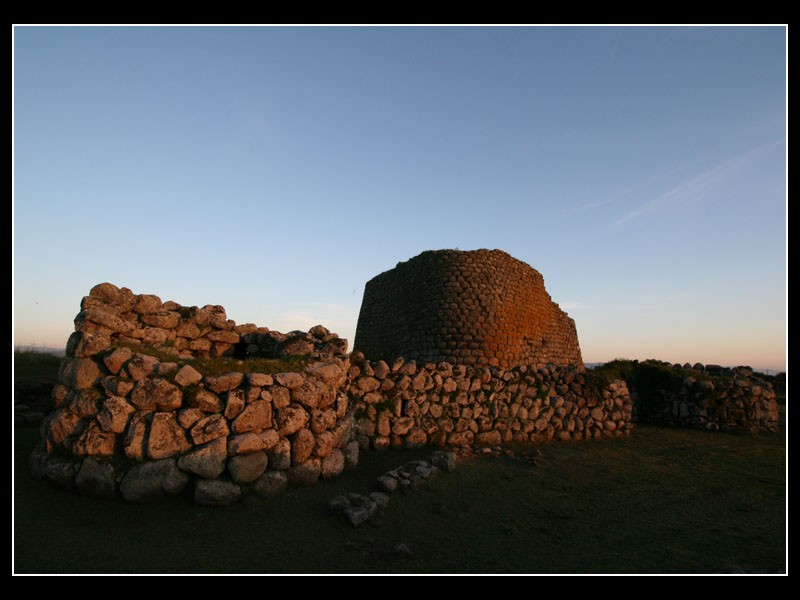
x=704 y=397
x=133 y=416
x=407 y=404
x=480 y=307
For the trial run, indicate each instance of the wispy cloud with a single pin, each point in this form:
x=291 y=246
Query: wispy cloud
x=698 y=187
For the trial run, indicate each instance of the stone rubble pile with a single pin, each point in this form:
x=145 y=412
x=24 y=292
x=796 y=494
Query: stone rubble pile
x=358 y=508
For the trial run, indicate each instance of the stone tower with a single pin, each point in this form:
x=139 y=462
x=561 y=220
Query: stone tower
x=479 y=307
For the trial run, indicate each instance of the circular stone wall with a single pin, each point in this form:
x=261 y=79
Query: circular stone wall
x=481 y=307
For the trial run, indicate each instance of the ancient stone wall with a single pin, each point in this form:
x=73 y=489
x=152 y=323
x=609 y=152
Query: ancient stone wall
x=479 y=307
x=143 y=409
x=137 y=413
x=713 y=398
x=410 y=404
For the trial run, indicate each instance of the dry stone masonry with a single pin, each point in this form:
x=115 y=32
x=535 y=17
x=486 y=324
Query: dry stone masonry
x=707 y=397
x=454 y=350
x=136 y=414
x=480 y=307
x=412 y=405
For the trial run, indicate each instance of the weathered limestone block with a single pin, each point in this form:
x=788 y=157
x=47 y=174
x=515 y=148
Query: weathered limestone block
x=187 y=375
x=246 y=443
x=141 y=366
x=269 y=437
x=114 y=386
x=324 y=444
x=259 y=380
x=114 y=415
x=289 y=380
x=205 y=400
x=95 y=442
x=187 y=417
x=209 y=428
x=156 y=393
x=255 y=417
x=162 y=319
x=224 y=383
x=79 y=373
x=291 y=419
x=167 y=437
x=234 y=404
x=303 y=443
x=86 y=402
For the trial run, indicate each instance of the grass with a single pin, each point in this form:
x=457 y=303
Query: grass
x=664 y=500
x=212 y=366
x=33 y=365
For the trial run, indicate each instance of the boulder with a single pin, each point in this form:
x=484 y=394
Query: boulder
x=207 y=460
x=133 y=442
x=209 y=428
x=306 y=474
x=153 y=480
x=95 y=442
x=291 y=419
x=246 y=443
x=141 y=366
x=256 y=416
x=188 y=375
x=61 y=470
x=215 y=492
x=167 y=437
x=271 y=483
x=234 y=404
x=156 y=393
x=114 y=415
x=295 y=346
x=96 y=478
x=205 y=400
x=224 y=383
x=289 y=380
x=332 y=465
x=246 y=468
x=79 y=373
x=302 y=446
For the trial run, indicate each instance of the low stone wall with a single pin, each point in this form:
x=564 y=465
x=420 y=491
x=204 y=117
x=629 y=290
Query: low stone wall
x=128 y=420
x=713 y=398
x=407 y=404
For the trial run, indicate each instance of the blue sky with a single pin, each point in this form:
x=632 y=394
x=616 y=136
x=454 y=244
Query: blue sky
x=274 y=171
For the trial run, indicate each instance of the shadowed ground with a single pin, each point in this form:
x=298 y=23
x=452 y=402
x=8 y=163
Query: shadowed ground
x=664 y=500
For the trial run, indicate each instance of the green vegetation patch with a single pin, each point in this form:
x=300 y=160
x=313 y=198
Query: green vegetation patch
x=212 y=366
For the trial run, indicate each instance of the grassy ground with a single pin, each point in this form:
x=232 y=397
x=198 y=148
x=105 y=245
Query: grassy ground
x=661 y=501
